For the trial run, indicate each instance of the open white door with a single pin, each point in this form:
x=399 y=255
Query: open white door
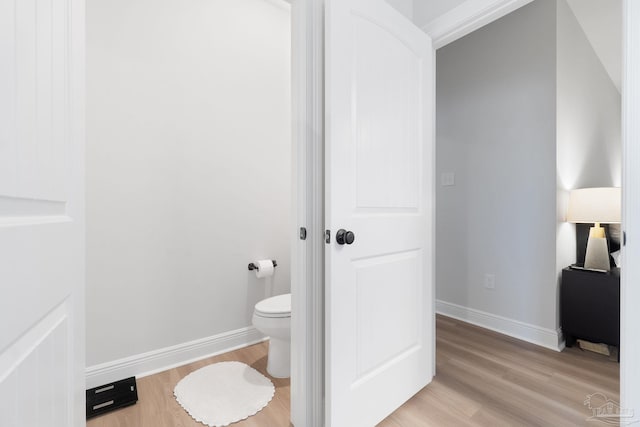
x=379 y=186
x=41 y=213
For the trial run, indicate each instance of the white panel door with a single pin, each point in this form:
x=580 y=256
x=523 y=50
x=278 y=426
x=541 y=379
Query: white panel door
x=379 y=186
x=41 y=213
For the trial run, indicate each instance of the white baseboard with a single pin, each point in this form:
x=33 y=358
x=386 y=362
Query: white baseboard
x=514 y=328
x=144 y=364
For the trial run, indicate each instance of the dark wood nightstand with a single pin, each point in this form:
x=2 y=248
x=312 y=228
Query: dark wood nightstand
x=590 y=306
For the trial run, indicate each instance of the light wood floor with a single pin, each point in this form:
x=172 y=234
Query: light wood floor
x=483 y=379
x=157 y=407
x=488 y=379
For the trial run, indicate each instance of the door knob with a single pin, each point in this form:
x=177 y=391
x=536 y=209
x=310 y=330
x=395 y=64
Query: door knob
x=343 y=236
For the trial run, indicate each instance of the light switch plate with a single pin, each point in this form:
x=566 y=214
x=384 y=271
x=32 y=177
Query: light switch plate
x=448 y=179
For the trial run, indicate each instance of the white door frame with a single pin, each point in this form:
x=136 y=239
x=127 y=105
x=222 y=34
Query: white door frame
x=467 y=18
x=629 y=290
x=307 y=256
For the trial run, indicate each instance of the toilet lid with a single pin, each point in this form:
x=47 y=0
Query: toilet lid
x=278 y=306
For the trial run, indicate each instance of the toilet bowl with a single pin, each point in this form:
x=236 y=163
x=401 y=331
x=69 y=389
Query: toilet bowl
x=272 y=317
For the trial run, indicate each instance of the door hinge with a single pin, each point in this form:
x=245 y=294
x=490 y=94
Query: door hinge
x=303 y=233
x=624 y=238
x=327 y=236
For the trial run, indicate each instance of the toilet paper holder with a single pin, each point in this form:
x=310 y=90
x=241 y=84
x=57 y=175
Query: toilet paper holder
x=252 y=266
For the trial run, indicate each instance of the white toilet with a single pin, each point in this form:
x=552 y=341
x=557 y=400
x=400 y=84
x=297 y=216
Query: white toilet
x=272 y=317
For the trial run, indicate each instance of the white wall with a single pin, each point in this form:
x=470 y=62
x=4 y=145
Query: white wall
x=601 y=21
x=188 y=168
x=588 y=123
x=496 y=131
x=588 y=108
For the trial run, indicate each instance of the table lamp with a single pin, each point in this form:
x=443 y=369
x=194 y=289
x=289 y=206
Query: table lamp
x=596 y=205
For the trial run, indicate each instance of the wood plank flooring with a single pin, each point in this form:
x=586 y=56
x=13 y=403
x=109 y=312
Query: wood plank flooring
x=487 y=379
x=483 y=379
x=157 y=407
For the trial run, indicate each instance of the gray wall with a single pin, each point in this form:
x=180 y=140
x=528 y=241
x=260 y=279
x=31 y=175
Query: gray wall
x=496 y=94
x=188 y=168
x=525 y=112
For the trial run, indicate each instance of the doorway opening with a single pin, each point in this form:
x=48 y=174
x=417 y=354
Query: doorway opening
x=189 y=179
x=523 y=116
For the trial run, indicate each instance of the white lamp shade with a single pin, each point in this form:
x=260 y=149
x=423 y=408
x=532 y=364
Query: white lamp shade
x=589 y=205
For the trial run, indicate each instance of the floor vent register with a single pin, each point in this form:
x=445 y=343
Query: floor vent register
x=112 y=396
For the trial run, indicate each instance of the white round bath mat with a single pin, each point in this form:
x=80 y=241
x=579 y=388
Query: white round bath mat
x=223 y=393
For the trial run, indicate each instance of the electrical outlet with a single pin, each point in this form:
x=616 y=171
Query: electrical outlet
x=489 y=281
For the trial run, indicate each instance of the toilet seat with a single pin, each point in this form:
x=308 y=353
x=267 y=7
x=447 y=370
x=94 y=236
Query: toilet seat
x=274 y=307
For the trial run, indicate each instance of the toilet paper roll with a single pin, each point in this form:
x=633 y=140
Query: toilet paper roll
x=265 y=268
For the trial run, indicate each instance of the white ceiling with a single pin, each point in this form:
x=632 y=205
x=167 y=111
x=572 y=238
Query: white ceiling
x=403 y=6
x=601 y=21
x=425 y=11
